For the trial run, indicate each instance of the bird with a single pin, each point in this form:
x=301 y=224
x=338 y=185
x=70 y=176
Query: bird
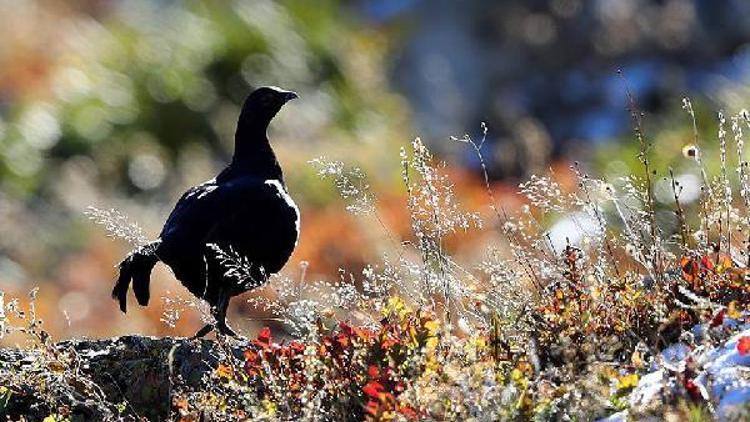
x=245 y=210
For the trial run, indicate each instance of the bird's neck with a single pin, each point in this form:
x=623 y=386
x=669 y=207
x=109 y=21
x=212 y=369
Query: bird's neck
x=253 y=154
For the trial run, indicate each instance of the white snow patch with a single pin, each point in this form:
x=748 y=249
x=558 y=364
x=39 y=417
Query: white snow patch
x=723 y=376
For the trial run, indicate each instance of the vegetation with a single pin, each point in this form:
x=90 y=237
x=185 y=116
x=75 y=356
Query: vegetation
x=541 y=328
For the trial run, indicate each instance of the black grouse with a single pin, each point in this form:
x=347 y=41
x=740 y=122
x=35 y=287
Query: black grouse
x=246 y=209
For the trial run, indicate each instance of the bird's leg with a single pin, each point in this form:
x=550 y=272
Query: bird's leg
x=219 y=312
x=206 y=328
x=221 y=316
x=226 y=330
x=203 y=331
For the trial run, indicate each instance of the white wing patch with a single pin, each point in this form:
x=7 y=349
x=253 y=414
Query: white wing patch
x=282 y=193
x=204 y=188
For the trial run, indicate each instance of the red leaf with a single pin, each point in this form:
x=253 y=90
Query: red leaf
x=718 y=318
x=690 y=269
x=373 y=389
x=373 y=371
x=250 y=355
x=343 y=340
x=372 y=407
x=693 y=390
x=297 y=347
x=388 y=343
x=387 y=398
x=346 y=328
x=408 y=412
x=264 y=337
x=363 y=333
x=265 y=333
x=743 y=345
x=251 y=369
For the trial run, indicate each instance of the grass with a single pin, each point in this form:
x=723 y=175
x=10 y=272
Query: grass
x=538 y=328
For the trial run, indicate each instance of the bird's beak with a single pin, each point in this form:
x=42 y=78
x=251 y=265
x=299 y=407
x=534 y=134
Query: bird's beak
x=290 y=95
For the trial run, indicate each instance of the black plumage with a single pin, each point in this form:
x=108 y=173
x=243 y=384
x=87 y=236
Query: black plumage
x=246 y=210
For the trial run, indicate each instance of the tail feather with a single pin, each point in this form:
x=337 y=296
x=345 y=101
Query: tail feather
x=141 y=281
x=137 y=267
x=120 y=292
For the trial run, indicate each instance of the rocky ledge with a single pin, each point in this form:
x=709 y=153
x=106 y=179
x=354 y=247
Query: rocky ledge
x=128 y=378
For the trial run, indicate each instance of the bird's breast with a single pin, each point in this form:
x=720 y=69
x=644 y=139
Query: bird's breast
x=289 y=207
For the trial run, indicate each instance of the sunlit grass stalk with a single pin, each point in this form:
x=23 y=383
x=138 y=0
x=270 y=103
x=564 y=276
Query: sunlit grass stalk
x=582 y=183
x=742 y=172
x=705 y=188
x=679 y=212
x=726 y=190
x=643 y=156
x=500 y=214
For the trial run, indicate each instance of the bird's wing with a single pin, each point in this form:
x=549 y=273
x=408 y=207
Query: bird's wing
x=204 y=207
x=193 y=206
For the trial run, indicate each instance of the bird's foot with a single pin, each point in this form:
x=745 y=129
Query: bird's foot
x=224 y=329
x=203 y=331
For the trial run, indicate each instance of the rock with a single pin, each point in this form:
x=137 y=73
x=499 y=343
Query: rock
x=127 y=377
x=719 y=377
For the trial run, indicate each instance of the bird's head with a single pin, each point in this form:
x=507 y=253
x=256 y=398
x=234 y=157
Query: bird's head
x=263 y=104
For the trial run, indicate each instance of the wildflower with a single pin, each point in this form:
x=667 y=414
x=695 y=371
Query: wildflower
x=397 y=307
x=224 y=371
x=627 y=382
x=691 y=151
x=464 y=325
x=509 y=227
x=733 y=311
x=432 y=326
x=631 y=249
x=270 y=407
x=636 y=359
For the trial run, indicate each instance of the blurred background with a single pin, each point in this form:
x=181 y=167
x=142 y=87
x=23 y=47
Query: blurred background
x=125 y=104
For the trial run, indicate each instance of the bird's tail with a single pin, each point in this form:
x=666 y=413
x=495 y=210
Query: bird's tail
x=136 y=266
